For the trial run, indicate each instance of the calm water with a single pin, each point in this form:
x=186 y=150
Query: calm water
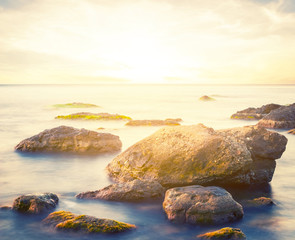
x=26 y=111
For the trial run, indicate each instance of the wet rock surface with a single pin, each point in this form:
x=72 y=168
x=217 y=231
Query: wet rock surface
x=201 y=205
x=70 y=140
x=35 y=204
x=67 y=221
x=188 y=155
x=227 y=233
x=129 y=191
x=281 y=118
x=255 y=113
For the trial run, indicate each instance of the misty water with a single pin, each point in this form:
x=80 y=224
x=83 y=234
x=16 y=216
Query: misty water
x=26 y=110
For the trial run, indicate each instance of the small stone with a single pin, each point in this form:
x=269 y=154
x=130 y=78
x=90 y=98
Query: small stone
x=35 y=204
x=206 y=98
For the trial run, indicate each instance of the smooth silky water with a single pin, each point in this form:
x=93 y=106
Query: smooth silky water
x=26 y=110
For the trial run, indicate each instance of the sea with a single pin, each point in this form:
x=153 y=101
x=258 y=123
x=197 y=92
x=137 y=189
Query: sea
x=26 y=110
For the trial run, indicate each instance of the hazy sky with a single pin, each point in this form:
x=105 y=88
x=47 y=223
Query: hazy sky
x=153 y=41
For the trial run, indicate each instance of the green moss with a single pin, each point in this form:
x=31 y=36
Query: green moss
x=98 y=116
x=76 y=105
x=224 y=233
x=67 y=221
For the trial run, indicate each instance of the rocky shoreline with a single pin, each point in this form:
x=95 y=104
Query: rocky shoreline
x=183 y=166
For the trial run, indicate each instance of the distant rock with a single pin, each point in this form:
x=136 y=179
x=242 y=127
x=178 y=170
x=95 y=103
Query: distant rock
x=255 y=113
x=206 y=98
x=283 y=117
x=223 y=234
x=5 y=208
x=35 y=204
x=93 y=116
x=292 y=131
x=201 y=205
x=76 y=105
x=260 y=202
x=71 y=140
x=188 y=155
x=168 y=122
x=130 y=191
x=67 y=221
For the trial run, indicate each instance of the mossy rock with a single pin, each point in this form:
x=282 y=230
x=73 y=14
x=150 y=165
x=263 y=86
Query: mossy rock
x=67 y=221
x=206 y=98
x=224 y=234
x=35 y=204
x=93 y=116
x=260 y=202
x=76 y=105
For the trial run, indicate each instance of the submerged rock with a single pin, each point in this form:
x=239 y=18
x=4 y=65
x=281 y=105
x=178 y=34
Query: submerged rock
x=187 y=155
x=260 y=202
x=36 y=204
x=130 y=191
x=67 y=221
x=223 y=234
x=5 y=208
x=292 y=131
x=71 y=140
x=255 y=113
x=283 y=117
x=168 y=122
x=206 y=98
x=76 y=105
x=201 y=205
x=93 y=116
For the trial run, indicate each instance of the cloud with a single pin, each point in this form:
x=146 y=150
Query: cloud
x=193 y=41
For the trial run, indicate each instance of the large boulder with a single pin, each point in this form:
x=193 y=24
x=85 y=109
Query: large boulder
x=67 y=221
x=72 y=140
x=255 y=113
x=187 y=155
x=201 y=205
x=35 y=204
x=283 y=117
x=129 y=191
x=227 y=233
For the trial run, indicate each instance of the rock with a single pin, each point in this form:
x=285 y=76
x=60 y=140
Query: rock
x=168 y=122
x=224 y=234
x=71 y=140
x=201 y=205
x=5 y=208
x=292 y=131
x=255 y=113
x=206 y=98
x=76 y=105
x=130 y=191
x=93 y=116
x=188 y=155
x=260 y=202
x=283 y=117
x=67 y=221
x=35 y=204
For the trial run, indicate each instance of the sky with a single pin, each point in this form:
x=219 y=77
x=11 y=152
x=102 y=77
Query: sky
x=147 y=41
